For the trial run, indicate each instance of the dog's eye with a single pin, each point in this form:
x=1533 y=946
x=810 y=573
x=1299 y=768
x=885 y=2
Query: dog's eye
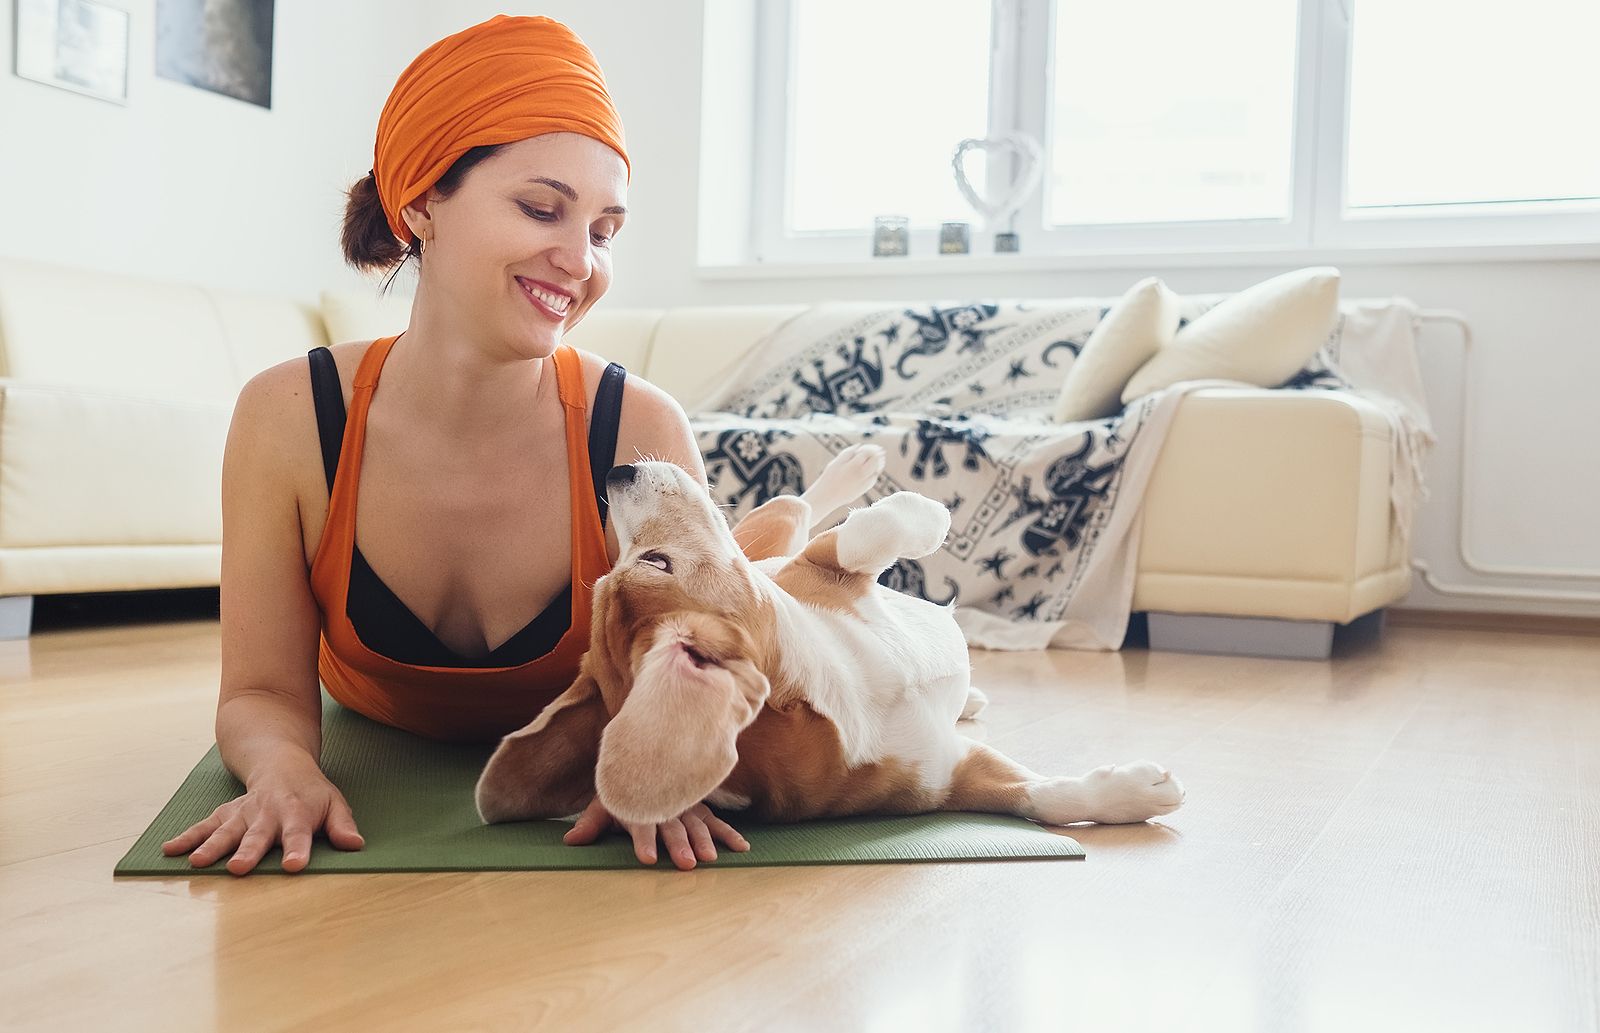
x=655 y=559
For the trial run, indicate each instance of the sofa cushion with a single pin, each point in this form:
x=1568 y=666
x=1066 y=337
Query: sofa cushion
x=620 y=335
x=1262 y=335
x=261 y=330
x=696 y=349
x=122 y=335
x=364 y=315
x=89 y=468
x=1141 y=323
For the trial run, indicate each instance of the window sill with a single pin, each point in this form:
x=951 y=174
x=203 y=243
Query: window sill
x=936 y=265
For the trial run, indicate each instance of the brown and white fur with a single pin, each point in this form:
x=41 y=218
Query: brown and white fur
x=789 y=687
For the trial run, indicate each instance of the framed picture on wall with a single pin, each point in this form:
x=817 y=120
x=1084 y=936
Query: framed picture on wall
x=78 y=45
x=224 y=46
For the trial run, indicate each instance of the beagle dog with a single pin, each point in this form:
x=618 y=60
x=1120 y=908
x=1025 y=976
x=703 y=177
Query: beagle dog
x=760 y=672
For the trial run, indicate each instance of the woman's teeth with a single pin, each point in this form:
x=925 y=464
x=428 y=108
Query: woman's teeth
x=556 y=302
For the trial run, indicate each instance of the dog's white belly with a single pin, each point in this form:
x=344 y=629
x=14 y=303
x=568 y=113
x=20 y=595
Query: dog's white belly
x=892 y=677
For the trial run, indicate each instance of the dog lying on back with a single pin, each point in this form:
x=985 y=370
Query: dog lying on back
x=788 y=688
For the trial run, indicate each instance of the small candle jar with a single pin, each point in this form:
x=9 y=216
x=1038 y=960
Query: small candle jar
x=954 y=238
x=891 y=235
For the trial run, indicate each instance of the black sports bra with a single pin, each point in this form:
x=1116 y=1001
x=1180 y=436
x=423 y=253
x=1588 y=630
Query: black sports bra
x=384 y=623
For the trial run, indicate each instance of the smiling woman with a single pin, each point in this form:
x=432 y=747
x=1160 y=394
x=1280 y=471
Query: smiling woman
x=477 y=443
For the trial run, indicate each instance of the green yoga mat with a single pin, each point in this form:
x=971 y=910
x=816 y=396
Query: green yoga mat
x=412 y=800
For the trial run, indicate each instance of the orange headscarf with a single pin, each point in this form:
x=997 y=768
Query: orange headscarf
x=502 y=80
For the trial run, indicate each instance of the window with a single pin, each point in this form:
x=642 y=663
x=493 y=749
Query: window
x=1454 y=104
x=1173 y=126
x=1126 y=146
x=878 y=105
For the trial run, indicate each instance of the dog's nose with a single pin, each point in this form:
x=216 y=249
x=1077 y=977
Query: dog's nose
x=620 y=477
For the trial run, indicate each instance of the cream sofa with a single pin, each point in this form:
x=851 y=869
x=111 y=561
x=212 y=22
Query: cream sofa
x=1267 y=510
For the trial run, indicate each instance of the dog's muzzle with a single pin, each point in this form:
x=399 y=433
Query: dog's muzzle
x=620 y=477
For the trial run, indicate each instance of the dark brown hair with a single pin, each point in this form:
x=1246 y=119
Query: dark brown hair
x=369 y=244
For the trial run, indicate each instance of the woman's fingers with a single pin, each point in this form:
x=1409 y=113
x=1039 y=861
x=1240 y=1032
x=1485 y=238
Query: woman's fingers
x=728 y=835
x=296 y=843
x=691 y=836
x=590 y=825
x=191 y=837
x=341 y=825
x=221 y=841
x=676 y=840
x=699 y=836
x=644 y=842
x=256 y=842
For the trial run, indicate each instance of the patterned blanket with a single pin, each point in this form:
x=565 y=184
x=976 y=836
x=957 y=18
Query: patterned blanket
x=1043 y=536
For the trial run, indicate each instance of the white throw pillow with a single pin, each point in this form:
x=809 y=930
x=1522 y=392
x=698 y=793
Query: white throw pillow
x=363 y=315
x=1141 y=323
x=1263 y=335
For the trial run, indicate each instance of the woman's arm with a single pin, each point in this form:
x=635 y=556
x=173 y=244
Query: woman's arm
x=269 y=708
x=270 y=704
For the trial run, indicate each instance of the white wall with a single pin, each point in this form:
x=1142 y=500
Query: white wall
x=186 y=184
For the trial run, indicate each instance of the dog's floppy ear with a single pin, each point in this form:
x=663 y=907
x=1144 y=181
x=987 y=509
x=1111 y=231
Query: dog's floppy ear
x=673 y=741
x=546 y=770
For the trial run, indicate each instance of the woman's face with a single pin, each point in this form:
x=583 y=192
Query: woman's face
x=522 y=249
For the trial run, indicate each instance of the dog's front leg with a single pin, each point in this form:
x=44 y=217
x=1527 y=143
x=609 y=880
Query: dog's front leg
x=987 y=780
x=777 y=527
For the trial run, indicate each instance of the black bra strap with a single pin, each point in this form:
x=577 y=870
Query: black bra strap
x=603 y=431
x=328 y=398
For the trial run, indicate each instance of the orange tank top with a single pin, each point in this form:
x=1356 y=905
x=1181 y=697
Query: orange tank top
x=460 y=704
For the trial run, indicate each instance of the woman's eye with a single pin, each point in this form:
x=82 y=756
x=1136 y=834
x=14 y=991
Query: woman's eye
x=655 y=559
x=600 y=239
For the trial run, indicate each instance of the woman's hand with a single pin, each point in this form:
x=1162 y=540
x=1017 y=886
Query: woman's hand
x=687 y=836
x=289 y=803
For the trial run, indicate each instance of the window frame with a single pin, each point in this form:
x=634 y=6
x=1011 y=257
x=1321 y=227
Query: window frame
x=1022 y=35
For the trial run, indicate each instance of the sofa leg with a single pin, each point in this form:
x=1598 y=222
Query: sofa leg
x=1241 y=636
x=16 y=617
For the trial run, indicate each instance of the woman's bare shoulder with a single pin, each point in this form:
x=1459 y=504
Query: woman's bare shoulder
x=285 y=389
x=651 y=423
x=274 y=410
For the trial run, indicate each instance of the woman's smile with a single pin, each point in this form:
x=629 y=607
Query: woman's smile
x=544 y=300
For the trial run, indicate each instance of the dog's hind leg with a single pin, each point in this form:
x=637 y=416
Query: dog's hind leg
x=904 y=525
x=987 y=780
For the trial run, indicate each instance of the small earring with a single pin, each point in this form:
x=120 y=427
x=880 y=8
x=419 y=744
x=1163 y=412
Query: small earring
x=424 y=245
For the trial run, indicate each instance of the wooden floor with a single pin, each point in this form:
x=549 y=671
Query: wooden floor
x=1406 y=838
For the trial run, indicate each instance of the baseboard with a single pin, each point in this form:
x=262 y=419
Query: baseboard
x=1472 y=620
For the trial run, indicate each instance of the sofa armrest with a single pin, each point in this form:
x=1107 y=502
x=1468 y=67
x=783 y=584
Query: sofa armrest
x=1272 y=504
x=82 y=467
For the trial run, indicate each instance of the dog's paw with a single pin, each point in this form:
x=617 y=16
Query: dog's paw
x=920 y=523
x=1119 y=794
x=859 y=465
x=904 y=524
x=846 y=478
x=976 y=701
